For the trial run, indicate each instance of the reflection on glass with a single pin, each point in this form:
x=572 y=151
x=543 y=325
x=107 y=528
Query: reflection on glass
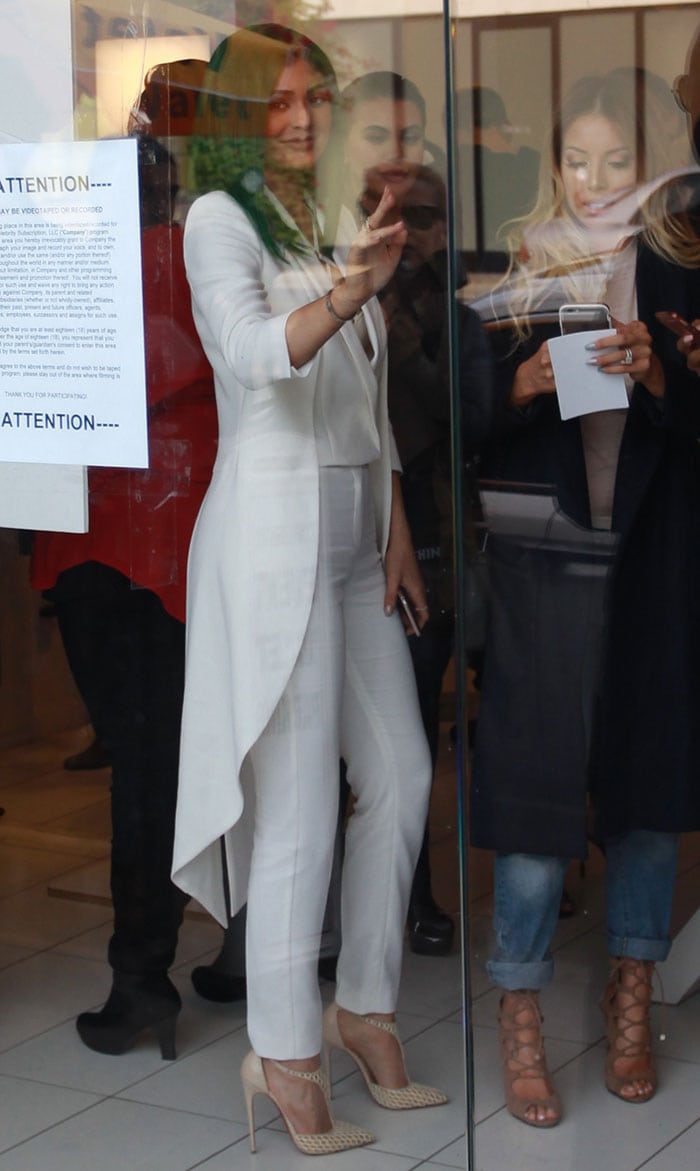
x=118 y=593
x=505 y=172
x=596 y=620
x=599 y=517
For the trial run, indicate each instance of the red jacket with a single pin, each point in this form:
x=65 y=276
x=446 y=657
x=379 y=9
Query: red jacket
x=141 y=520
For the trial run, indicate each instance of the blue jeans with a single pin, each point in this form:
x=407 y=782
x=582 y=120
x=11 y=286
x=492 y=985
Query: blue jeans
x=640 y=876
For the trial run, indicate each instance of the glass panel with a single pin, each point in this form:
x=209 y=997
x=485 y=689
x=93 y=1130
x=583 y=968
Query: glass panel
x=176 y=211
x=579 y=453
x=189 y=278
x=604 y=40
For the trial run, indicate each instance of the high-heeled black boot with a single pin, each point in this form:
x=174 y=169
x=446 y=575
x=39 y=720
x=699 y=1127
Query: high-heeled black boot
x=135 y=1004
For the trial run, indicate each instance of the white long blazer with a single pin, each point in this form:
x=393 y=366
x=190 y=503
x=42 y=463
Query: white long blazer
x=252 y=564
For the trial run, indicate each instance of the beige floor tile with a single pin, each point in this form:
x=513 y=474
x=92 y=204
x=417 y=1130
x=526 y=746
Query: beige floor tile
x=33 y=919
x=22 y=868
x=121 y=1136
x=52 y=795
x=23 y=1102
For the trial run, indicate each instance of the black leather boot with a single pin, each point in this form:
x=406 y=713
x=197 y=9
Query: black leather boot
x=430 y=930
x=135 y=1004
x=223 y=980
x=215 y=984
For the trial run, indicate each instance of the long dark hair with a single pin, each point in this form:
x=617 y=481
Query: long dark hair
x=228 y=152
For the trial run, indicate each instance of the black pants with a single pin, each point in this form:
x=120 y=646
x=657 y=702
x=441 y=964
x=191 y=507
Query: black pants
x=127 y=655
x=430 y=654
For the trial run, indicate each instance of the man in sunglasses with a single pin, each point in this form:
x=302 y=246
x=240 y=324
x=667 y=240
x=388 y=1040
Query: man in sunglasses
x=415 y=307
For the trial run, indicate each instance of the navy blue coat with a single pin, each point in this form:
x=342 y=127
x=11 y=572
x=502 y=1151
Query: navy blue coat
x=639 y=756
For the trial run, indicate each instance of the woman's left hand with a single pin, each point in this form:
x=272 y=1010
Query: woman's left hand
x=629 y=352
x=401 y=566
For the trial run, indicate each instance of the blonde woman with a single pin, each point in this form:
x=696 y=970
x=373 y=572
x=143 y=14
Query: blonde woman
x=590 y=683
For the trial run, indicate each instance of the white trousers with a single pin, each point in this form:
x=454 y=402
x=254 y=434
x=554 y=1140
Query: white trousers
x=352 y=694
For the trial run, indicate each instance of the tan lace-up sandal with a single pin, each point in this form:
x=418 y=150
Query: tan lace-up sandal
x=410 y=1097
x=626 y=1004
x=343 y=1136
x=522 y=1053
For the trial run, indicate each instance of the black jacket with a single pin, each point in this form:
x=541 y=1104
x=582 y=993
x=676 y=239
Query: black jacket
x=643 y=770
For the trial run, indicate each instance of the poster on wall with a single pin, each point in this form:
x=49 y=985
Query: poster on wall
x=72 y=371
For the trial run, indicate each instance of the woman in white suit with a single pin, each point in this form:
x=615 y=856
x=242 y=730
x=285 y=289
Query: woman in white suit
x=295 y=654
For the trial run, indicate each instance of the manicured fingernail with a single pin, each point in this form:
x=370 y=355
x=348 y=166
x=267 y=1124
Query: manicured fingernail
x=591 y=361
x=388 y=610
x=591 y=346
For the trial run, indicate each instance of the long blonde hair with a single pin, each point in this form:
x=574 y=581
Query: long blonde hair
x=549 y=242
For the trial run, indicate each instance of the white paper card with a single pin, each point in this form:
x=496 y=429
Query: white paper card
x=581 y=388
x=72 y=371
x=44 y=496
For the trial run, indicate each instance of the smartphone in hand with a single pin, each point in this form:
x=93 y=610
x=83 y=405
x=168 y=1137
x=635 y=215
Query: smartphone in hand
x=679 y=325
x=409 y=611
x=573 y=317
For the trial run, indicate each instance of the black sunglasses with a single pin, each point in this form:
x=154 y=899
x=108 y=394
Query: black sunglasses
x=421 y=216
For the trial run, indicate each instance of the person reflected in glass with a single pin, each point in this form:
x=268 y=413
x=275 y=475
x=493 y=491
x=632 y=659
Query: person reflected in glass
x=381 y=142
x=119 y=595
x=580 y=696
x=382 y=129
x=415 y=306
x=296 y=655
x=497 y=176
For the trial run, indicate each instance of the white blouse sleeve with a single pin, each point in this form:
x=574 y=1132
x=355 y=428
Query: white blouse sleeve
x=224 y=261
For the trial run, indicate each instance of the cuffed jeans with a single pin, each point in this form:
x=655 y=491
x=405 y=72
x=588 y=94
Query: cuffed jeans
x=351 y=693
x=640 y=876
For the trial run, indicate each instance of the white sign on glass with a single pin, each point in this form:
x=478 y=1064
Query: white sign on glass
x=72 y=370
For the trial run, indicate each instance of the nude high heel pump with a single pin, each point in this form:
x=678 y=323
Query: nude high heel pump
x=410 y=1097
x=343 y=1136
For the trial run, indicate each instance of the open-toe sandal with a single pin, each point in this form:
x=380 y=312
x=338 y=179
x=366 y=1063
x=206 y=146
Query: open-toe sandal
x=626 y=1005
x=522 y=1053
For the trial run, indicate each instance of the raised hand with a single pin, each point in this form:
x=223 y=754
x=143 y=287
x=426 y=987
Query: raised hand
x=373 y=257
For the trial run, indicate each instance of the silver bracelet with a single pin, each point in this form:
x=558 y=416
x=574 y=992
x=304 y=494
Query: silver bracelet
x=329 y=306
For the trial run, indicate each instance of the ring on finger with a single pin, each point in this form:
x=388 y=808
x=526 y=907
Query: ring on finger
x=629 y=356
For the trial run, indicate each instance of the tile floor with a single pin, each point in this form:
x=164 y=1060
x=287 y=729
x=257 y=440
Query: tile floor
x=64 y=1108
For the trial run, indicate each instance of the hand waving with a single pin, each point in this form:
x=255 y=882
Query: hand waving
x=375 y=252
